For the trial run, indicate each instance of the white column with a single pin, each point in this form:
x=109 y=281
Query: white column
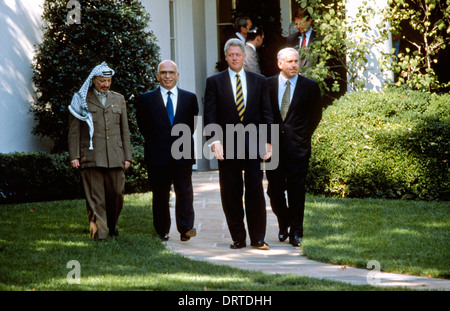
x=372 y=74
x=159 y=24
x=286 y=15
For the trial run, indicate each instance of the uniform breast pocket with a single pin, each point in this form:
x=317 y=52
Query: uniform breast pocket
x=116 y=113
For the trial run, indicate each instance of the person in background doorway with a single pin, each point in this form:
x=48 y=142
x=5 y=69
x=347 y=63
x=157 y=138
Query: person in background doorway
x=255 y=38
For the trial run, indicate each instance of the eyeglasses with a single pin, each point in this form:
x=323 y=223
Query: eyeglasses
x=167 y=73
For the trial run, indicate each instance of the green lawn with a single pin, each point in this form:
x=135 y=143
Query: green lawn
x=410 y=237
x=37 y=240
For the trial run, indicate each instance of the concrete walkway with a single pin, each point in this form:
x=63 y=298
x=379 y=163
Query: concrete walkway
x=213 y=240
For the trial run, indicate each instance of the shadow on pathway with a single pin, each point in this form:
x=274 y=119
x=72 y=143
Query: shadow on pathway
x=213 y=239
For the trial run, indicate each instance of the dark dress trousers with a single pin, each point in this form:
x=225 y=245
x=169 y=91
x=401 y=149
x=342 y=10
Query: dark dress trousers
x=163 y=169
x=220 y=109
x=302 y=118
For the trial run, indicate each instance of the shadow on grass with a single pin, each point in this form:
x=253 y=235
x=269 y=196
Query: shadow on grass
x=404 y=236
x=38 y=240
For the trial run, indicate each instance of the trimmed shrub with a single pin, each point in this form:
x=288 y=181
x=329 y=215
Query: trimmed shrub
x=393 y=144
x=39 y=176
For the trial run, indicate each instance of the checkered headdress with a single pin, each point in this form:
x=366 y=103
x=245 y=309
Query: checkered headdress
x=78 y=107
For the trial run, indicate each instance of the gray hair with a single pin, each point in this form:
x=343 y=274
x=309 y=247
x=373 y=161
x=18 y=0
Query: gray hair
x=234 y=42
x=282 y=53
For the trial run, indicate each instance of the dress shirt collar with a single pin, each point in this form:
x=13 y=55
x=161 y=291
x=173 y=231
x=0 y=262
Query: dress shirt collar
x=282 y=81
x=251 y=45
x=234 y=73
x=173 y=97
x=164 y=92
x=238 y=34
x=282 y=87
x=307 y=35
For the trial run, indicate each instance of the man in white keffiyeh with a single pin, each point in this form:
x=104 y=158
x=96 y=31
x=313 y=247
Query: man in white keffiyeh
x=78 y=107
x=99 y=144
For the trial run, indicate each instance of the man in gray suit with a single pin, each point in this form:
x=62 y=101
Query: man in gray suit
x=101 y=147
x=255 y=37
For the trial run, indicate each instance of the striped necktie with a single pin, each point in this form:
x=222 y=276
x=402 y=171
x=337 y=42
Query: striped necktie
x=285 y=101
x=239 y=98
x=303 y=41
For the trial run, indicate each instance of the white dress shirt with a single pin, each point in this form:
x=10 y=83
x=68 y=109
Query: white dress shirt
x=173 y=97
x=307 y=36
x=243 y=79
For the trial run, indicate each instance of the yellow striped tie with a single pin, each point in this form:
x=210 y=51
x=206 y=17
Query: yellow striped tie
x=239 y=98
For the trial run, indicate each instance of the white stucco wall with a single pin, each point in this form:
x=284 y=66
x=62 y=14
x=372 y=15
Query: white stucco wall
x=20 y=29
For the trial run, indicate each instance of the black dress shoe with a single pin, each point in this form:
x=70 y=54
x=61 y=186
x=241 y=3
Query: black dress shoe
x=113 y=233
x=238 y=245
x=164 y=237
x=260 y=245
x=295 y=240
x=283 y=235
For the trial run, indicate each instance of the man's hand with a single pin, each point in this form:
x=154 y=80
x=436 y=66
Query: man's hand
x=127 y=164
x=75 y=163
x=268 y=152
x=217 y=150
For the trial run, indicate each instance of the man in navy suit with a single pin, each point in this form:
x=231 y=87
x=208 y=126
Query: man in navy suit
x=157 y=112
x=296 y=106
x=238 y=98
x=305 y=36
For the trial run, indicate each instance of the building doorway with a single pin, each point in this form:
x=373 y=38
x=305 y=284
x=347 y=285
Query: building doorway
x=265 y=14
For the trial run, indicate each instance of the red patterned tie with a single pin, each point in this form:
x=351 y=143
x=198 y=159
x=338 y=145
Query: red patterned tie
x=303 y=41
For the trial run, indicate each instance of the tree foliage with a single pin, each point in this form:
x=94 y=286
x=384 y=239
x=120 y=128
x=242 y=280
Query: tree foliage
x=111 y=31
x=347 y=43
x=424 y=29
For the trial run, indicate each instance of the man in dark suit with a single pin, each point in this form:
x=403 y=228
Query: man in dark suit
x=238 y=98
x=305 y=36
x=296 y=106
x=158 y=111
x=242 y=25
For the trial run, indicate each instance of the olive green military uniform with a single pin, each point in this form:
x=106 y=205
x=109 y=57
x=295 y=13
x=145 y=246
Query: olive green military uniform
x=102 y=168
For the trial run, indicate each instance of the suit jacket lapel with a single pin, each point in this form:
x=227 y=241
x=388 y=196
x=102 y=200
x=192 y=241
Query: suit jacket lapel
x=250 y=90
x=228 y=91
x=160 y=104
x=297 y=92
x=274 y=99
x=179 y=107
x=295 y=97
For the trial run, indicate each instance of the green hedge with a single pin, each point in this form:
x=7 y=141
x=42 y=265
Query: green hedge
x=39 y=176
x=393 y=144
